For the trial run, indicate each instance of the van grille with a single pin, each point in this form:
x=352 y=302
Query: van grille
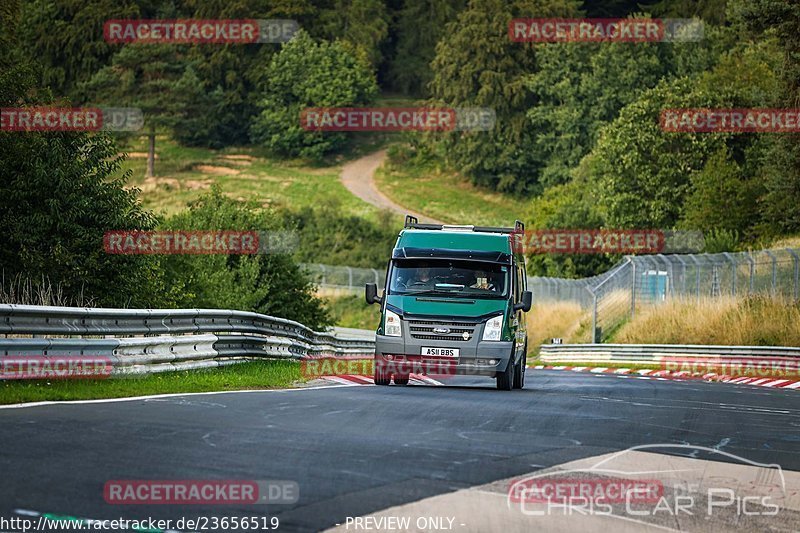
x=423 y=329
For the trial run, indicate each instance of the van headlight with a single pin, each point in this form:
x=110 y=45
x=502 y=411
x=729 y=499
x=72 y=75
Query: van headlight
x=391 y=324
x=493 y=329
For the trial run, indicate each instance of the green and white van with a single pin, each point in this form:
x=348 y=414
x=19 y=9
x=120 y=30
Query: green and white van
x=455 y=299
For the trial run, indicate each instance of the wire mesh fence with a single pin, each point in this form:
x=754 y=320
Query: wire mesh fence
x=343 y=277
x=637 y=282
x=646 y=280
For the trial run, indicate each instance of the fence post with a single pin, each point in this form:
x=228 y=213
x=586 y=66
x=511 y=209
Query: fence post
x=323 y=274
x=697 y=275
x=752 y=272
x=733 y=272
x=796 y=281
x=774 y=270
x=671 y=273
x=595 y=336
x=633 y=288
x=349 y=277
x=683 y=274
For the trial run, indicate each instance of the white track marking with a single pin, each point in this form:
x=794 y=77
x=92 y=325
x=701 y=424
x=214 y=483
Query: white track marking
x=171 y=395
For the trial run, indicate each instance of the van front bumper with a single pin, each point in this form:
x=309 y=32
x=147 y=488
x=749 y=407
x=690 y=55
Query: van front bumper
x=476 y=358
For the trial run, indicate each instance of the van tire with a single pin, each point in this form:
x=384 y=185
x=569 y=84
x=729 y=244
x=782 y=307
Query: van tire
x=519 y=374
x=381 y=376
x=401 y=380
x=505 y=379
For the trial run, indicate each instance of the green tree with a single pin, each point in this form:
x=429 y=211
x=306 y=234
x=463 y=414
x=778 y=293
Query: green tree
x=722 y=197
x=477 y=65
x=362 y=25
x=59 y=193
x=420 y=25
x=780 y=20
x=567 y=206
x=580 y=88
x=642 y=174
x=158 y=79
x=66 y=37
x=308 y=74
x=273 y=284
x=328 y=236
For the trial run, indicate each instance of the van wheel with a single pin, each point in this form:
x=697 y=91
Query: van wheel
x=505 y=381
x=519 y=374
x=381 y=376
x=401 y=380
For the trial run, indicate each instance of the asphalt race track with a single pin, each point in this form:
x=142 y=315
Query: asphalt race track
x=356 y=450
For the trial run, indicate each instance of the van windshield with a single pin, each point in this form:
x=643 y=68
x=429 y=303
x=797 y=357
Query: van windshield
x=450 y=278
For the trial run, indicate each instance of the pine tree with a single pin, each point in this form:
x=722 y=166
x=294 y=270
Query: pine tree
x=477 y=65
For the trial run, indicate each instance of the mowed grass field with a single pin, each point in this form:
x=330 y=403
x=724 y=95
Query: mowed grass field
x=182 y=174
x=446 y=196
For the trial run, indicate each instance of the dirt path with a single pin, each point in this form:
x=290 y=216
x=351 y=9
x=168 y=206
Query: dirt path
x=359 y=178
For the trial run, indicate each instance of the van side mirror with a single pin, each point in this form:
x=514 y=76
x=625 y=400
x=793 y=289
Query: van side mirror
x=371 y=294
x=526 y=303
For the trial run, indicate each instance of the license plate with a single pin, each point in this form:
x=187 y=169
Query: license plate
x=440 y=352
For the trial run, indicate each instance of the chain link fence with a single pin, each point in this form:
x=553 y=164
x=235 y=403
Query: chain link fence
x=646 y=280
x=353 y=279
x=635 y=283
x=350 y=279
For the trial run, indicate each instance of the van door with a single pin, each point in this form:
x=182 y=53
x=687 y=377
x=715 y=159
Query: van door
x=519 y=323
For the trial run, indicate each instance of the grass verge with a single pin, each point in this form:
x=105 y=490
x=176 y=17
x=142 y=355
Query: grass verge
x=564 y=320
x=267 y=374
x=754 y=321
x=446 y=196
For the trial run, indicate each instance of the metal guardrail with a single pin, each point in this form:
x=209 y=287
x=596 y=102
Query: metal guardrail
x=155 y=340
x=633 y=353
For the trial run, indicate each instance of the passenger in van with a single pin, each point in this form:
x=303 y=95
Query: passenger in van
x=482 y=281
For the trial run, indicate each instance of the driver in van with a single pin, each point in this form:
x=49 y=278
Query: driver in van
x=422 y=276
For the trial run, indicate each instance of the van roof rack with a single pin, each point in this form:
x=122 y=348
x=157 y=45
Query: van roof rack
x=412 y=222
